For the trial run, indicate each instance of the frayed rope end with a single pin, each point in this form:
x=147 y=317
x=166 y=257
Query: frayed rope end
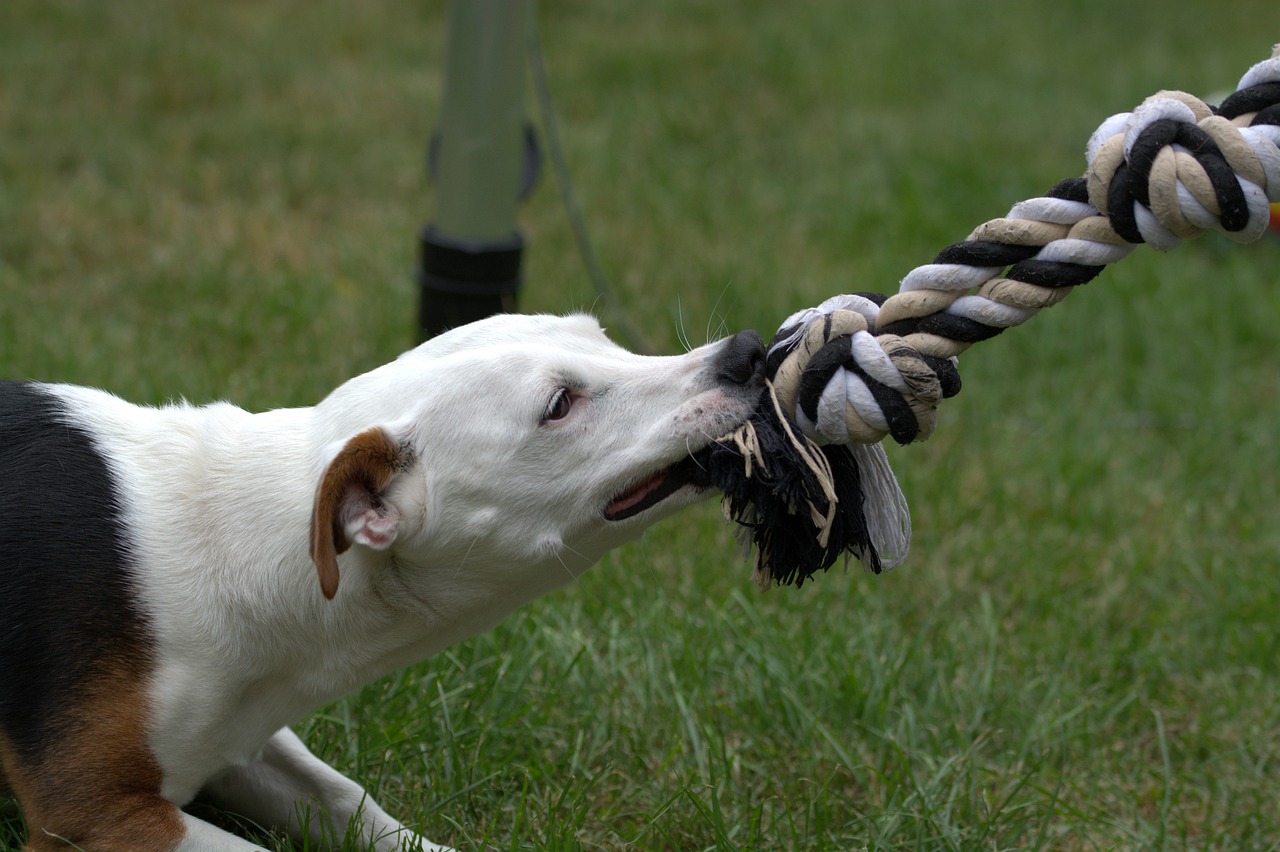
x=802 y=506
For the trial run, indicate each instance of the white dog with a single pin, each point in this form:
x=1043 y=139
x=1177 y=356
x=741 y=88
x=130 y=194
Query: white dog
x=179 y=584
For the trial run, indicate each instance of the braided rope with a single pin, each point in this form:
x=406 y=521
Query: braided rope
x=859 y=367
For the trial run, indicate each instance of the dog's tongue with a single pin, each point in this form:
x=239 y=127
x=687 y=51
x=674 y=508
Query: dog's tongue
x=621 y=504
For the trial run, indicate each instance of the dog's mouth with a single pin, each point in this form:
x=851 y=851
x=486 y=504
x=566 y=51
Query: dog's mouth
x=653 y=489
x=700 y=470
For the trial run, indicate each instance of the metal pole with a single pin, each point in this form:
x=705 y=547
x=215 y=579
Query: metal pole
x=471 y=252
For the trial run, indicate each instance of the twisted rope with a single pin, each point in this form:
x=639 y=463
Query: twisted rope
x=1170 y=170
x=858 y=368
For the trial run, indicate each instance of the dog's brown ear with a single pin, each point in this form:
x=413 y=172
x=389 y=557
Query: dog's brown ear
x=349 y=507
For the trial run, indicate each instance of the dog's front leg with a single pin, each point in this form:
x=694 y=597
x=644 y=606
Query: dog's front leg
x=288 y=787
x=201 y=836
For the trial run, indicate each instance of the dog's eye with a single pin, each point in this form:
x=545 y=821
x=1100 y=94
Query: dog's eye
x=559 y=407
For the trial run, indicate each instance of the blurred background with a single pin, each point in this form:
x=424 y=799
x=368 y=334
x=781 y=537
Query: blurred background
x=210 y=201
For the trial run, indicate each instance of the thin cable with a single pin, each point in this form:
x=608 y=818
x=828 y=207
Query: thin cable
x=577 y=223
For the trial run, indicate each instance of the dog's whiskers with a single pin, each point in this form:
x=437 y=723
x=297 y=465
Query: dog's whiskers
x=463 y=561
x=722 y=327
x=682 y=334
x=573 y=578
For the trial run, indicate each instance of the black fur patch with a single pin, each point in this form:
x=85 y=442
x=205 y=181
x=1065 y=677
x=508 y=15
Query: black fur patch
x=67 y=613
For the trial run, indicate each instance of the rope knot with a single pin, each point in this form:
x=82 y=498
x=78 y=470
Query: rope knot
x=1177 y=167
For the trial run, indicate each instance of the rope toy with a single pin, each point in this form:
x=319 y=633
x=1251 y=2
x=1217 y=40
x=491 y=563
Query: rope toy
x=807 y=478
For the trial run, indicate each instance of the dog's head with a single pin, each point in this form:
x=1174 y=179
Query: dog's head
x=511 y=453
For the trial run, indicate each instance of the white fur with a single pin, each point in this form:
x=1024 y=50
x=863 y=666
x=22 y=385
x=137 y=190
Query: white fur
x=497 y=508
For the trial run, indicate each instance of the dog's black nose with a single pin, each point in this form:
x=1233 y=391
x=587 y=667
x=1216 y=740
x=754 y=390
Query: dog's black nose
x=741 y=361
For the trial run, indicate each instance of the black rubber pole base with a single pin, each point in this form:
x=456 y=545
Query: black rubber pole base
x=465 y=280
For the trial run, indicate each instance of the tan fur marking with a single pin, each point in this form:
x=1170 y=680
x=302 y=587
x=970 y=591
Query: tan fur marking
x=99 y=787
x=368 y=461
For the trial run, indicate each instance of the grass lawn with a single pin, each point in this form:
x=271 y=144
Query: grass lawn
x=221 y=200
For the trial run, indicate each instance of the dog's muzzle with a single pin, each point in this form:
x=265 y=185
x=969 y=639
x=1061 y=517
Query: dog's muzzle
x=738 y=367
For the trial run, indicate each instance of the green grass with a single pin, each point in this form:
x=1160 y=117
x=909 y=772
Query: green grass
x=221 y=200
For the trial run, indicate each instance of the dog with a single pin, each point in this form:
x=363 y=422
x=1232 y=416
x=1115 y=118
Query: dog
x=180 y=584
